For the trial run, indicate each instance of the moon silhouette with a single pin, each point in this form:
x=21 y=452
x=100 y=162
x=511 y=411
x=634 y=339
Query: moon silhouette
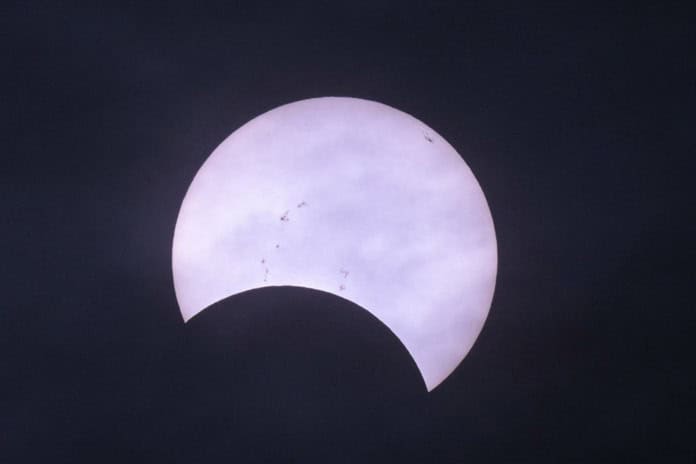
x=354 y=198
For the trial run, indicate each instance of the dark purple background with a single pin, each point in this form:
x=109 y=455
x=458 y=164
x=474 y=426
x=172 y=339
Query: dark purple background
x=578 y=123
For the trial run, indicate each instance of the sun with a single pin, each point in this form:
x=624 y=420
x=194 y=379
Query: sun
x=354 y=198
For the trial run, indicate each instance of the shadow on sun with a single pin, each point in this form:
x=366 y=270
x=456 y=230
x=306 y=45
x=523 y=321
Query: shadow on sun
x=312 y=372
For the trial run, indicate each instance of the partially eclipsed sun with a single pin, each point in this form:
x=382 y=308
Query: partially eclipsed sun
x=351 y=197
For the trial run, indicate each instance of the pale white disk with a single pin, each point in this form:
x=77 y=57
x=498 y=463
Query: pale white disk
x=351 y=197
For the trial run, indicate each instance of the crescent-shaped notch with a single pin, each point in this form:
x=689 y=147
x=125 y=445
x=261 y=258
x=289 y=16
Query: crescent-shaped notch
x=353 y=198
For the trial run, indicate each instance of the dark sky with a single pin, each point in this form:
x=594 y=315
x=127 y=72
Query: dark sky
x=578 y=123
